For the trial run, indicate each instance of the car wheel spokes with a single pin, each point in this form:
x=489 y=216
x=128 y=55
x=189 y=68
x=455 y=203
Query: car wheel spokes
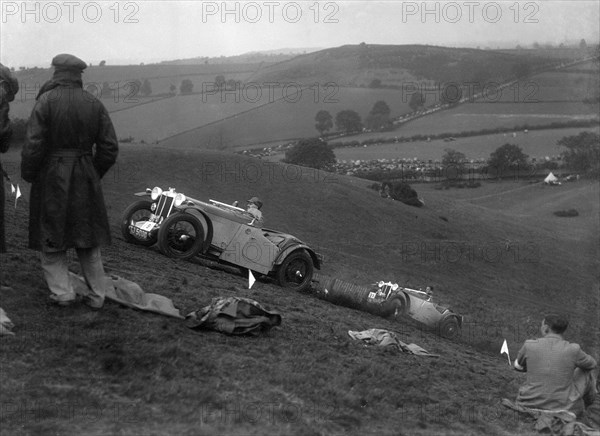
x=182 y=236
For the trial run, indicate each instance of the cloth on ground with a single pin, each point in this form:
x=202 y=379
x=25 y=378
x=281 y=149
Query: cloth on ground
x=234 y=315
x=5 y=324
x=386 y=338
x=558 y=422
x=130 y=294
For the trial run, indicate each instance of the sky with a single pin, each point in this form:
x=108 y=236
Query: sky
x=131 y=32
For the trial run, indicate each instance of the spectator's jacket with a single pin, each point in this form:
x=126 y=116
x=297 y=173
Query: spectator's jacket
x=67 y=206
x=8 y=88
x=550 y=363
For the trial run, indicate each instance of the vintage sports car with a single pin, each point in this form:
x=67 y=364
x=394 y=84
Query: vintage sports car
x=388 y=299
x=397 y=301
x=184 y=227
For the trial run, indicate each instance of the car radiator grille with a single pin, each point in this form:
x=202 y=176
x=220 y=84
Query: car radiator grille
x=164 y=206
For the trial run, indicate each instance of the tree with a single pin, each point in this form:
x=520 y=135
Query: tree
x=583 y=151
x=232 y=84
x=508 y=157
x=324 y=121
x=379 y=117
x=186 y=86
x=375 y=83
x=102 y=63
x=312 y=152
x=453 y=162
x=403 y=192
x=348 y=121
x=582 y=44
x=417 y=101
x=172 y=89
x=220 y=82
x=146 y=88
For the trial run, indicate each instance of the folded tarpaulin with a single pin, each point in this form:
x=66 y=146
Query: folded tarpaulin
x=234 y=316
x=130 y=294
x=384 y=338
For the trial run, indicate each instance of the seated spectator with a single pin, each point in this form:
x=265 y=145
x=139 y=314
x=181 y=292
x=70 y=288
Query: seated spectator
x=560 y=375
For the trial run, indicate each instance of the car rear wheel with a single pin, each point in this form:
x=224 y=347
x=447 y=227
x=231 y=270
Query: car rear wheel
x=181 y=236
x=136 y=212
x=449 y=328
x=296 y=271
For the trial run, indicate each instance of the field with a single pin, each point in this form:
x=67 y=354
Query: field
x=499 y=257
x=119 y=78
x=539 y=100
x=285 y=118
x=536 y=143
x=237 y=118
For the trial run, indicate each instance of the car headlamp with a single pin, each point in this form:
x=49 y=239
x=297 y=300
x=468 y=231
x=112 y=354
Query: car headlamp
x=156 y=192
x=179 y=199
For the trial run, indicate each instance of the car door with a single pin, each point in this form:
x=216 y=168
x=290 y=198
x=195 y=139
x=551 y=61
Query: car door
x=249 y=248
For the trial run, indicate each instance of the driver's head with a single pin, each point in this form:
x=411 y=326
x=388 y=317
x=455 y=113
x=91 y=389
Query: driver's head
x=255 y=201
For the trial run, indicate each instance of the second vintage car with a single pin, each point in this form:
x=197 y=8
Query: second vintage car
x=184 y=227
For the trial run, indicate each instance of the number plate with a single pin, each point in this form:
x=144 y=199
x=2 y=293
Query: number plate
x=142 y=229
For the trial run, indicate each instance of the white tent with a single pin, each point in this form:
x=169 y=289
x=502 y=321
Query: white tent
x=551 y=179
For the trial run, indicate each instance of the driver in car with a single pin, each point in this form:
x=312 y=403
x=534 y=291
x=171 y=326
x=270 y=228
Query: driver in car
x=253 y=208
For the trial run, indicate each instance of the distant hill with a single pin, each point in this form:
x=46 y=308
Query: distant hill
x=269 y=56
x=395 y=65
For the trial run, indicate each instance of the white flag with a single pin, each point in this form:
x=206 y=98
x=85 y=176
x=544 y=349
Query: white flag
x=12 y=188
x=17 y=196
x=504 y=349
x=251 y=279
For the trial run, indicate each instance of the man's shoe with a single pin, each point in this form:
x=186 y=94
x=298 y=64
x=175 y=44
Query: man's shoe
x=64 y=299
x=94 y=304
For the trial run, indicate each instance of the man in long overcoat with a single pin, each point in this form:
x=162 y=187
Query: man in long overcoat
x=70 y=145
x=9 y=86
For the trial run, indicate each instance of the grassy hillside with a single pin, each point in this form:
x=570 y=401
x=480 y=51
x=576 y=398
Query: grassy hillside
x=161 y=77
x=333 y=79
x=358 y=65
x=552 y=97
x=127 y=372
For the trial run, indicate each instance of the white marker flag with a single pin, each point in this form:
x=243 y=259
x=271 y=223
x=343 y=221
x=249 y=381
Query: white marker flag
x=251 y=279
x=504 y=349
x=12 y=189
x=17 y=196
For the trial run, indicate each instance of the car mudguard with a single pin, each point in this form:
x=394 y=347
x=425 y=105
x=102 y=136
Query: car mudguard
x=209 y=231
x=293 y=247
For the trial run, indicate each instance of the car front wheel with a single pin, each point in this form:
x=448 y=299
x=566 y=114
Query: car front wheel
x=181 y=236
x=396 y=307
x=296 y=271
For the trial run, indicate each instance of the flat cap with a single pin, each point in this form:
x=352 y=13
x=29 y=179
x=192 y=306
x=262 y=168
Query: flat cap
x=67 y=61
